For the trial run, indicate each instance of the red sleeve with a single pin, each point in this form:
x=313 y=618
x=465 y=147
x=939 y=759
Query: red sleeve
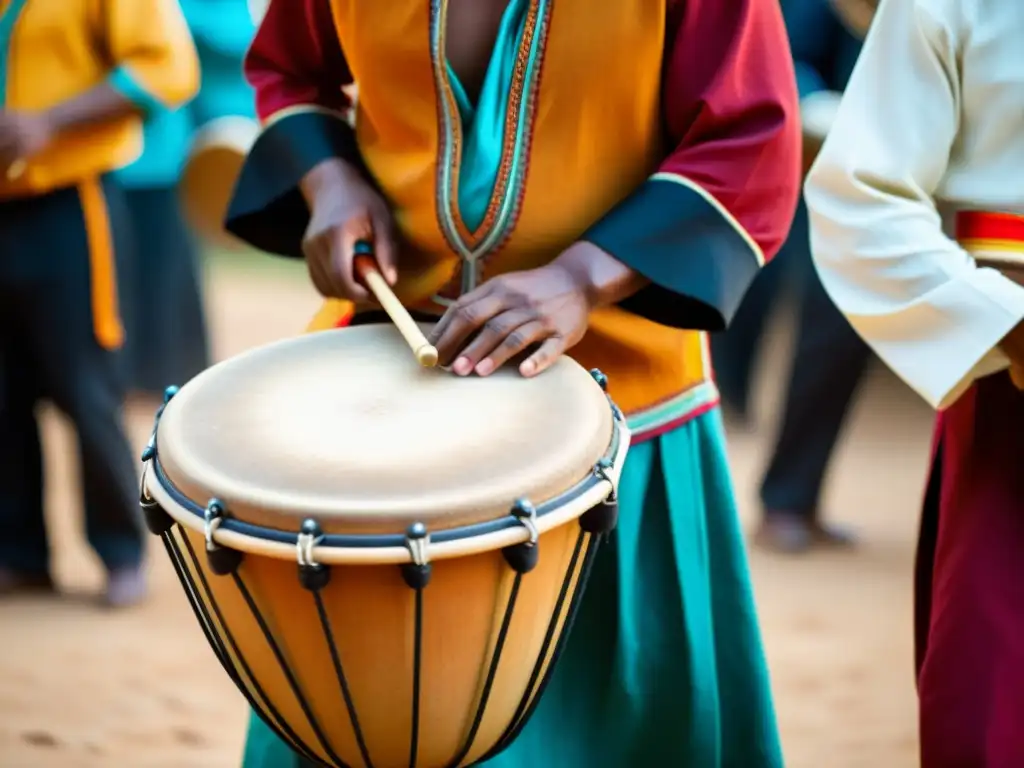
x=298 y=71
x=724 y=198
x=296 y=60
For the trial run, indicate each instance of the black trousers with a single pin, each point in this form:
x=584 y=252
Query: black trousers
x=49 y=351
x=828 y=364
x=161 y=295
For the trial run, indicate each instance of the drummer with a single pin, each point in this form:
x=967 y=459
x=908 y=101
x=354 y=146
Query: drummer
x=223 y=30
x=529 y=233
x=929 y=131
x=75 y=76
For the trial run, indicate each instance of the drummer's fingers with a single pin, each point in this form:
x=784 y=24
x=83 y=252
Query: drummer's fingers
x=515 y=342
x=318 y=274
x=461 y=321
x=544 y=357
x=441 y=326
x=494 y=332
x=385 y=244
x=356 y=228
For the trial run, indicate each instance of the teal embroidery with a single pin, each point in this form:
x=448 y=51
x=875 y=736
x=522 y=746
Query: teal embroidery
x=477 y=162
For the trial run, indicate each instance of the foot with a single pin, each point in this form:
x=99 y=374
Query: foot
x=786 y=534
x=833 y=536
x=126 y=587
x=12 y=581
x=793 y=534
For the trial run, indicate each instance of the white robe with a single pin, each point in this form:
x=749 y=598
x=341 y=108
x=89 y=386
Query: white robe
x=932 y=121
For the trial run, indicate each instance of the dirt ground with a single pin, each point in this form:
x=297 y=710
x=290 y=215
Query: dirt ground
x=82 y=687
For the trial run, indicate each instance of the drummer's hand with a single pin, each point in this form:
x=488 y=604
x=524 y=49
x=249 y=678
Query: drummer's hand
x=23 y=134
x=549 y=307
x=344 y=208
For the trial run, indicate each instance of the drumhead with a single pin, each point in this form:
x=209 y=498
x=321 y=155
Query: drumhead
x=345 y=427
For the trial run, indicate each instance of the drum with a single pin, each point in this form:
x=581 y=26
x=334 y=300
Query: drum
x=211 y=170
x=385 y=559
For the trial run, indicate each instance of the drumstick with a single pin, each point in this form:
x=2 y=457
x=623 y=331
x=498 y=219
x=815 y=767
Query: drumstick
x=365 y=267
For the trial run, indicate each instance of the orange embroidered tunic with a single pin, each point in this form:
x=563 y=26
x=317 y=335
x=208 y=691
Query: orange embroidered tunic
x=664 y=132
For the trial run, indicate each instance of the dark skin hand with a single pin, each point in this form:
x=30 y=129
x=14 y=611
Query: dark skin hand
x=343 y=209
x=24 y=134
x=546 y=308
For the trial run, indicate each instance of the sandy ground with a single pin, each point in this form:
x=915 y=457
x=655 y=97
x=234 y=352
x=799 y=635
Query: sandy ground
x=83 y=687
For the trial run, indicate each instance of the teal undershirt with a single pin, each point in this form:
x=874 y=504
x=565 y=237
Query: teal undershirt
x=7 y=21
x=483 y=125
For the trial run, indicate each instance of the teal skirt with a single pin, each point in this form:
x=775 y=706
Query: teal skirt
x=664 y=666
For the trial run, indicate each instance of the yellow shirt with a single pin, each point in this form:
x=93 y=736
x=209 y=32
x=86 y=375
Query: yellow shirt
x=54 y=50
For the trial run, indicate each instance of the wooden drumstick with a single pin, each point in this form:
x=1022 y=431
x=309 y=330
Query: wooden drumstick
x=365 y=267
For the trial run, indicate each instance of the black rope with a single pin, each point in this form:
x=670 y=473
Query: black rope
x=325 y=623
x=198 y=609
x=549 y=637
x=282 y=726
x=491 y=673
x=289 y=675
x=588 y=563
x=417 y=668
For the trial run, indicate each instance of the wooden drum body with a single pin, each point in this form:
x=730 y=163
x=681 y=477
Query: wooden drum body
x=385 y=559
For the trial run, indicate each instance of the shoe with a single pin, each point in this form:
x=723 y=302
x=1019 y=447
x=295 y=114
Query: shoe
x=833 y=536
x=785 y=534
x=12 y=581
x=791 y=534
x=126 y=587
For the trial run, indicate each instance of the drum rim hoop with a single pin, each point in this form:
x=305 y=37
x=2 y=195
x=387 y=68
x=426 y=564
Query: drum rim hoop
x=605 y=471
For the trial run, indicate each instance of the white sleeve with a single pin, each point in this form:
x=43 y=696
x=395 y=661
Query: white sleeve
x=913 y=294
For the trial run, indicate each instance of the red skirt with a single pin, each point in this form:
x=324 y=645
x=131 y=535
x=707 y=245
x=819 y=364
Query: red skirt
x=970 y=584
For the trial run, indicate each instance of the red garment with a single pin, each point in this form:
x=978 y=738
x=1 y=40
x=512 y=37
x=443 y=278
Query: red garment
x=970 y=584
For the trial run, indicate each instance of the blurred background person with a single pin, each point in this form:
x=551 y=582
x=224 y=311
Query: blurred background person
x=75 y=77
x=223 y=30
x=168 y=338
x=829 y=359
x=166 y=342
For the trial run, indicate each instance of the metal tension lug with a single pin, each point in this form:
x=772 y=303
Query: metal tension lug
x=313 y=576
x=523 y=557
x=417 y=573
x=158 y=522
x=222 y=560
x=603 y=517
